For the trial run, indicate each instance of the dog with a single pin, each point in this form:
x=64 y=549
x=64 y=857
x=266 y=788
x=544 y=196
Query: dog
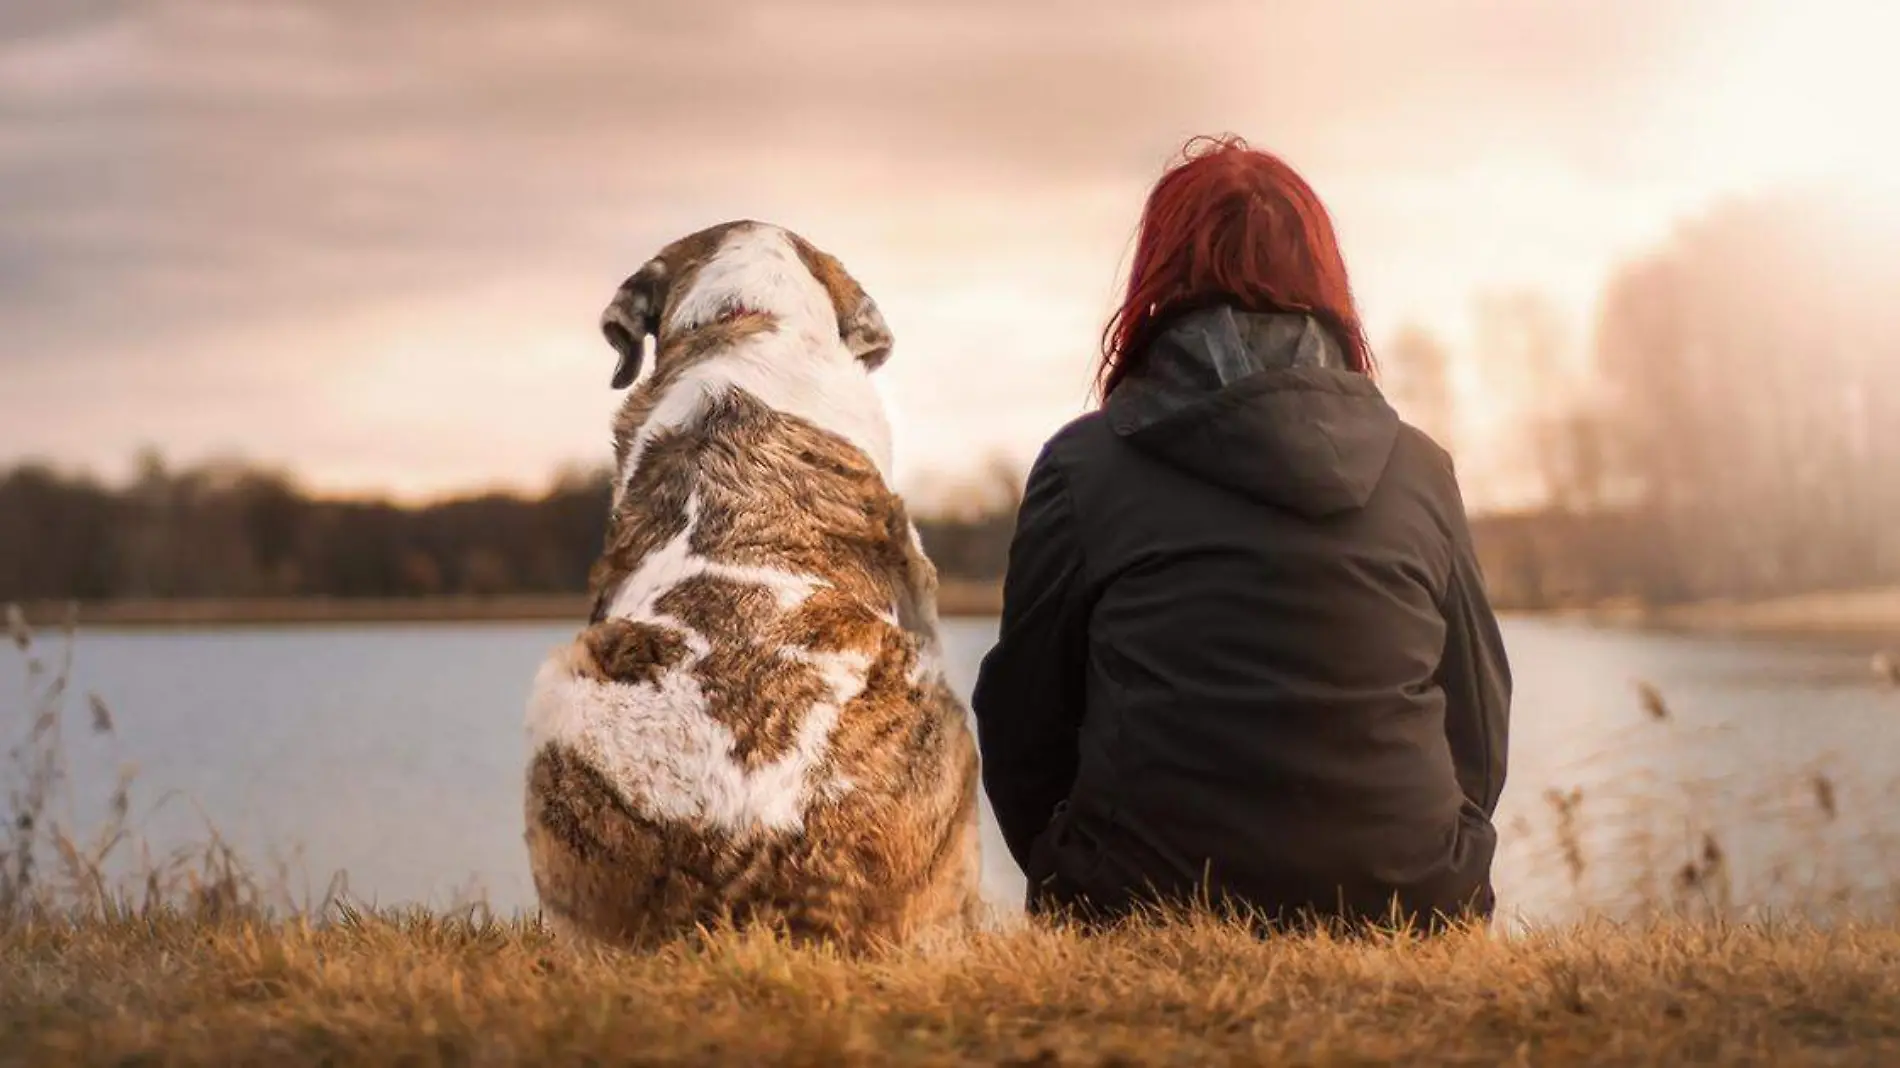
x=755 y=726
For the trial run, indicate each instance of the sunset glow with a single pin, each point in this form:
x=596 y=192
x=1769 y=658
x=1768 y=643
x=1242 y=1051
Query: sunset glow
x=370 y=247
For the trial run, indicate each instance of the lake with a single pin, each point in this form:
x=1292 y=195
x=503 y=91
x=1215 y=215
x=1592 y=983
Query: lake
x=396 y=752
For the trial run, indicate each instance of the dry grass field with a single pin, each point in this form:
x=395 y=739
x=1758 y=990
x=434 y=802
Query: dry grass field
x=427 y=990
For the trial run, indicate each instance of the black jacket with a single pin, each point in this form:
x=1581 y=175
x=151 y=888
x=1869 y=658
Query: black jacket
x=1246 y=651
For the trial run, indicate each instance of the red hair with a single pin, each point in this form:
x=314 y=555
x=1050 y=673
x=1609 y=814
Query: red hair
x=1231 y=225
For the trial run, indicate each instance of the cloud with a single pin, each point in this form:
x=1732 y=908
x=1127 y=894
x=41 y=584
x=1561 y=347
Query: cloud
x=210 y=197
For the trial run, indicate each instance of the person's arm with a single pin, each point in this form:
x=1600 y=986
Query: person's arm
x=1029 y=691
x=1476 y=677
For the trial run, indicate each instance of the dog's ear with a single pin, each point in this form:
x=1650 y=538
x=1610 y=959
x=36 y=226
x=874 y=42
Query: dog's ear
x=633 y=316
x=864 y=332
x=860 y=323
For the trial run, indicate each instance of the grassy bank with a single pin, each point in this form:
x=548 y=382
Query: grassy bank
x=1871 y=616
x=425 y=990
x=956 y=599
x=1871 y=613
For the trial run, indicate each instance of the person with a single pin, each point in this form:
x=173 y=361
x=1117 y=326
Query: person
x=1246 y=655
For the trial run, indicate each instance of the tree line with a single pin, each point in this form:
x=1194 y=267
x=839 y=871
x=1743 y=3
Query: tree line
x=1730 y=427
x=228 y=530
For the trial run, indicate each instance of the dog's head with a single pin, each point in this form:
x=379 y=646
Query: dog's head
x=736 y=269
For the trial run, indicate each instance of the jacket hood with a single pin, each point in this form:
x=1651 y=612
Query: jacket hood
x=1263 y=404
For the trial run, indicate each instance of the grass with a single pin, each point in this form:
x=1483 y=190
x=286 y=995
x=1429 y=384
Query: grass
x=198 y=958
x=420 y=990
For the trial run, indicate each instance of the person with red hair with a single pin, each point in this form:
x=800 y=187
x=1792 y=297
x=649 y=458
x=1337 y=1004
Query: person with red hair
x=1246 y=653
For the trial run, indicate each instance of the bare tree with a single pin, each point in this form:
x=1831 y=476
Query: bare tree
x=1523 y=349
x=1418 y=372
x=1751 y=368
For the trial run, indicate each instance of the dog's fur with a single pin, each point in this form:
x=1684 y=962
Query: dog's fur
x=755 y=727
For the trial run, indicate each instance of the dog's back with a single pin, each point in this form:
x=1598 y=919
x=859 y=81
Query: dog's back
x=755 y=726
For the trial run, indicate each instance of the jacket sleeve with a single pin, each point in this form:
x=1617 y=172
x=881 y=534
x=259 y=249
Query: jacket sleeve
x=1029 y=691
x=1475 y=675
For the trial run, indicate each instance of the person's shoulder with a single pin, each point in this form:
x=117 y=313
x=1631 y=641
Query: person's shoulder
x=1077 y=440
x=1425 y=452
x=1431 y=472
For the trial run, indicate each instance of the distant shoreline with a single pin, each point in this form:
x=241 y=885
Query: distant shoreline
x=1861 y=614
x=955 y=600
x=1850 y=614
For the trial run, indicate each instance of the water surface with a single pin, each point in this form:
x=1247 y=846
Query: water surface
x=395 y=752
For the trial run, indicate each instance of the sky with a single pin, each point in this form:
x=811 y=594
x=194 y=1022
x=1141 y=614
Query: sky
x=369 y=243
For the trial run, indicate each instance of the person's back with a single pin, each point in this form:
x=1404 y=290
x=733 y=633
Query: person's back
x=1245 y=651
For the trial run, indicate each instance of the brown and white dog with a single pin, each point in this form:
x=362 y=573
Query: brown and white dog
x=755 y=726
